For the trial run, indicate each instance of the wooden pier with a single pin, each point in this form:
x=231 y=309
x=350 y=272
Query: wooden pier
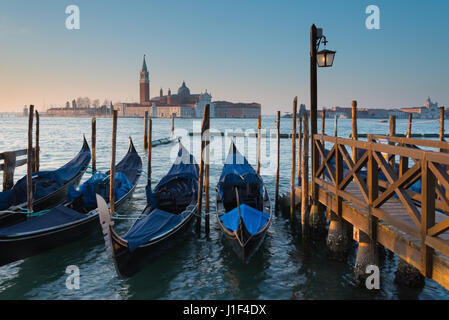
x=393 y=190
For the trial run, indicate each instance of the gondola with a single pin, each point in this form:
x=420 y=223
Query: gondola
x=73 y=220
x=49 y=189
x=170 y=209
x=243 y=206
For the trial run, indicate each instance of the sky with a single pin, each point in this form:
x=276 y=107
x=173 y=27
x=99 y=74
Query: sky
x=239 y=50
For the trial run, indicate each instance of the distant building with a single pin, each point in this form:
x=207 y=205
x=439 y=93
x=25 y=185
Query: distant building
x=25 y=111
x=429 y=110
x=183 y=104
x=225 y=109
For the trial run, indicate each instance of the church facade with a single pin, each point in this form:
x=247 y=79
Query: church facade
x=181 y=104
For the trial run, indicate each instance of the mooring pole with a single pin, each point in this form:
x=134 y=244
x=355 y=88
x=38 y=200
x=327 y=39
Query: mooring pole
x=37 y=150
x=94 y=145
x=335 y=126
x=300 y=137
x=391 y=157
x=150 y=147
x=293 y=164
x=354 y=129
x=201 y=173
x=278 y=151
x=305 y=176
x=145 y=135
x=259 y=127
x=112 y=170
x=172 y=125
x=323 y=121
x=30 y=161
x=206 y=177
x=441 y=123
x=409 y=130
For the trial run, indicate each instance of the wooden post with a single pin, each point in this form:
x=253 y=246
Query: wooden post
x=37 y=150
x=206 y=178
x=112 y=170
x=30 y=161
x=441 y=123
x=145 y=138
x=9 y=165
x=391 y=158
x=293 y=164
x=305 y=176
x=259 y=127
x=354 y=129
x=201 y=173
x=323 y=121
x=172 y=125
x=94 y=144
x=427 y=216
x=150 y=147
x=335 y=126
x=409 y=130
x=299 y=149
x=278 y=136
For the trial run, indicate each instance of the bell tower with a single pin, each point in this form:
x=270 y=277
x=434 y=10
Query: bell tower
x=144 y=84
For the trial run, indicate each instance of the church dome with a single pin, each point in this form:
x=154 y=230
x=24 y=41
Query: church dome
x=183 y=90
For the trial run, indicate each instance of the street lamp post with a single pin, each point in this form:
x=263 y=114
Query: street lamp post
x=324 y=58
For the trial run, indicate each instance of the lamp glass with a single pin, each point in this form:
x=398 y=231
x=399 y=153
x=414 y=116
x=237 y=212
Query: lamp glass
x=325 y=58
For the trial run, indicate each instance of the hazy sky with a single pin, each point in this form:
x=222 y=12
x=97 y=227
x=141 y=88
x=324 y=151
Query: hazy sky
x=240 y=50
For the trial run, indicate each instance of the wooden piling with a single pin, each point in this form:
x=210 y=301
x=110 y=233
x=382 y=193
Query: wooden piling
x=145 y=135
x=94 y=144
x=201 y=173
x=150 y=148
x=259 y=127
x=323 y=121
x=9 y=165
x=299 y=150
x=409 y=130
x=354 y=129
x=278 y=151
x=441 y=123
x=172 y=125
x=392 y=133
x=112 y=170
x=293 y=162
x=305 y=176
x=30 y=161
x=36 y=148
x=206 y=178
x=335 y=126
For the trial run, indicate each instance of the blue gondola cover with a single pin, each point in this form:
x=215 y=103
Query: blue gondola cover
x=253 y=219
x=236 y=171
x=45 y=182
x=153 y=225
x=95 y=185
x=56 y=217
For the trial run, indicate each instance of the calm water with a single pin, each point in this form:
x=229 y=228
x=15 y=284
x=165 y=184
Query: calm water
x=197 y=268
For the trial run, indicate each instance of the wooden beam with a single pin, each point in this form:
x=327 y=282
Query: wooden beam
x=293 y=161
x=30 y=161
x=112 y=168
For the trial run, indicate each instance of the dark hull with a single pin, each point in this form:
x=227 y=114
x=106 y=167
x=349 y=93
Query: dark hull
x=245 y=252
x=17 y=248
x=20 y=248
x=50 y=201
x=129 y=263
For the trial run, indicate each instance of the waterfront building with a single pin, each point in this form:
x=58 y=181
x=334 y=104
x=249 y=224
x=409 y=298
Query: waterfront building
x=182 y=104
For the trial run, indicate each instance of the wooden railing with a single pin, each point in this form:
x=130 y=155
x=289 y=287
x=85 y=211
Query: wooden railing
x=11 y=161
x=379 y=179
